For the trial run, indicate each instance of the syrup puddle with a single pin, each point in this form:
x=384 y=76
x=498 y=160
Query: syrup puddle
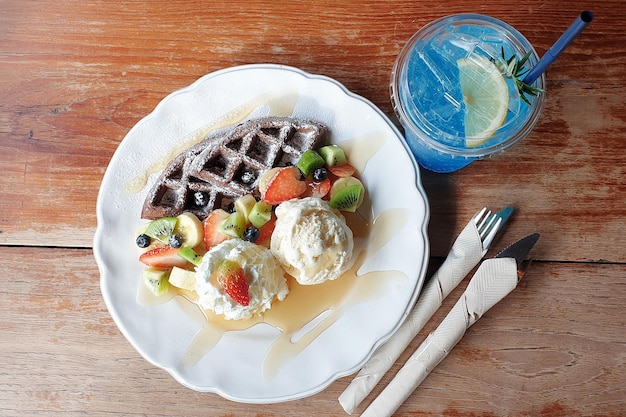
x=308 y=310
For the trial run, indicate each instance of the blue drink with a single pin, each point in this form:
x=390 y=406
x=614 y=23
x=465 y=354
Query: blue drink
x=426 y=90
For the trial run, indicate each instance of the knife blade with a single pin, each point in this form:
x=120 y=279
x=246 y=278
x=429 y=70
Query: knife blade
x=519 y=251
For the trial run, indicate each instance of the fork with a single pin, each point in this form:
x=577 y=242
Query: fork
x=466 y=252
x=488 y=224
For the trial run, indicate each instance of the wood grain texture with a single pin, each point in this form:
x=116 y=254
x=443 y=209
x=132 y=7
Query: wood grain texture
x=75 y=76
x=553 y=345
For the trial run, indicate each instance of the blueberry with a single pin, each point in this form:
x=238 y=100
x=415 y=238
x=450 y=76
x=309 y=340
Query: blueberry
x=247 y=176
x=320 y=174
x=200 y=198
x=143 y=241
x=175 y=241
x=251 y=234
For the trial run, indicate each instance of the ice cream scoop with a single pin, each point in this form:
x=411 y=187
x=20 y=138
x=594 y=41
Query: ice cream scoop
x=311 y=241
x=266 y=279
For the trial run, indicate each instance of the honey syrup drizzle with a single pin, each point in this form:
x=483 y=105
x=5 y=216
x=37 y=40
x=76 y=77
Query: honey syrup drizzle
x=311 y=307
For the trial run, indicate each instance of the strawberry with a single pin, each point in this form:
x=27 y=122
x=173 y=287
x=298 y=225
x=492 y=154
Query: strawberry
x=285 y=185
x=342 y=171
x=212 y=235
x=266 y=178
x=317 y=189
x=265 y=231
x=163 y=257
x=232 y=281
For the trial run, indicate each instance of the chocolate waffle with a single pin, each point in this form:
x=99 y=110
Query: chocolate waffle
x=227 y=165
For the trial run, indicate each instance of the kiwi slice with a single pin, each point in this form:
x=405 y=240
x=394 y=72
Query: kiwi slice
x=156 y=280
x=161 y=229
x=348 y=198
x=344 y=182
x=190 y=255
x=333 y=155
x=309 y=162
x=260 y=214
x=233 y=225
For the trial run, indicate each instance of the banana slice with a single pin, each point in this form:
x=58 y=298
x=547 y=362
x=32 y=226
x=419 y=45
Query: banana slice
x=182 y=278
x=190 y=228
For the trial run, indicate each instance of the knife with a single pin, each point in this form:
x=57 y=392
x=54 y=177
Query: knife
x=519 y=251
x=494 y=280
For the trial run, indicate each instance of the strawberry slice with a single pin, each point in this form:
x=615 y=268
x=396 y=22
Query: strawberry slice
x=231 y=279
x=317 y=189
x=212 y=236
x=265 y=232
x=163 y=257
x=285 y=185
x=343 y=170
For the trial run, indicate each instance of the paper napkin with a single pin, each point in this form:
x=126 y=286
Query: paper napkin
x=494 y=279
x=466 y=252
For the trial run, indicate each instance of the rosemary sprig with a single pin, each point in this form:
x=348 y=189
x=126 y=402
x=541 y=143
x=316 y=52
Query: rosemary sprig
x=514 y=68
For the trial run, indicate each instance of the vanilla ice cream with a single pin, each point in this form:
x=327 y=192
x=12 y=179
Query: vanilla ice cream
x=311 y=241
x=265 y=278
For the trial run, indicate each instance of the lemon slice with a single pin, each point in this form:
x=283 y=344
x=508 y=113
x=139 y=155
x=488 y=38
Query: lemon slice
x=486 y=97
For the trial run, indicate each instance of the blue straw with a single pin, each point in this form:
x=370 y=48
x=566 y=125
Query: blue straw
x=566 y=38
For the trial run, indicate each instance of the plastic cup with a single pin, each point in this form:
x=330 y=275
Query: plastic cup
x=426 y=95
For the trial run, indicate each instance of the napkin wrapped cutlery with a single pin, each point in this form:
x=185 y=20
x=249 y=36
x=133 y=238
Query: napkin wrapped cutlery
x=494 y=280
x=467 y=250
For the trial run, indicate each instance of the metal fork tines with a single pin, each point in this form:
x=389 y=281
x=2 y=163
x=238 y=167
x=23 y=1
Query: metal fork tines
x=488 y=224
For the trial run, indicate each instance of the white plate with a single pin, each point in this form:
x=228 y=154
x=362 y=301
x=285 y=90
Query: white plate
x=233 y=368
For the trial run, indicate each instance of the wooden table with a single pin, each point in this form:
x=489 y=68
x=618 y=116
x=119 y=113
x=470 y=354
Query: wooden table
x=75 y=76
